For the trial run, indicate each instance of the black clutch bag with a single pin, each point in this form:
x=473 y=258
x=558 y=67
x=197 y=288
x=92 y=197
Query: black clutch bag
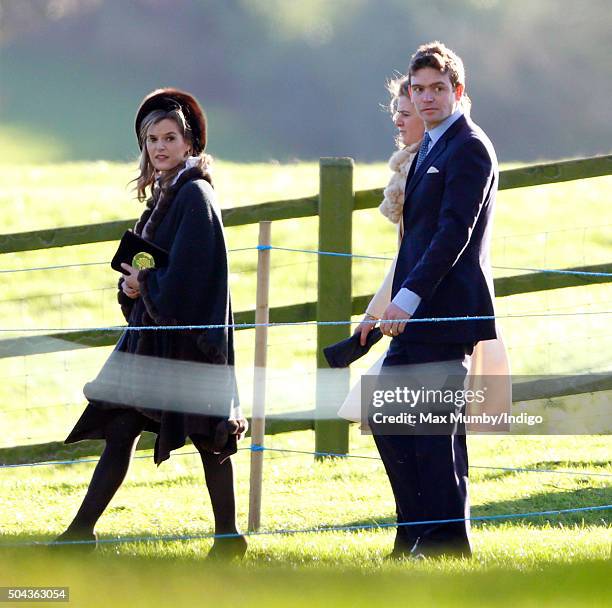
x=137 y=252
x=342 y=354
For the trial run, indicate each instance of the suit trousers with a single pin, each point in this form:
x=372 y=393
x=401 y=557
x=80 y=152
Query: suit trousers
x=429 y=477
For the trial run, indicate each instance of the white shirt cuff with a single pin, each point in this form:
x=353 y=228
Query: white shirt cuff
x=407 y=300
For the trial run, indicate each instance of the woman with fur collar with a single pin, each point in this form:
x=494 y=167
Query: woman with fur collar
x=177 y=384
x=410 y=132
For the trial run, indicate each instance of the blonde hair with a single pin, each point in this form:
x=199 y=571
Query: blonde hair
x=397 y=87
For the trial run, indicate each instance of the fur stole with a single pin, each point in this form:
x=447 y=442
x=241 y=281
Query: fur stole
x=393 y=201
x=157 y=207
x=159 y=203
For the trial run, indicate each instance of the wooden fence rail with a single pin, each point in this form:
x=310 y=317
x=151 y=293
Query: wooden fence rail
x=531 y=175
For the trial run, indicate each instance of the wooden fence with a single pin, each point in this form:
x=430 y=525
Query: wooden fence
x=334 y=205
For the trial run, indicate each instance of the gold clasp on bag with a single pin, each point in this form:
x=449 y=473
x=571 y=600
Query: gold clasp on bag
x=143 y=260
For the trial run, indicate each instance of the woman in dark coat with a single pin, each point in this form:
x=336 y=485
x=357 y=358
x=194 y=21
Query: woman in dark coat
x=176 y=383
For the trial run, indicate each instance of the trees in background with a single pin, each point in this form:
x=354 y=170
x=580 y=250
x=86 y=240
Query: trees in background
x=284 y=80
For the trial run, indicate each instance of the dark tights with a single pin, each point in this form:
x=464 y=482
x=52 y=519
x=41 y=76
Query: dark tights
x=122 y=435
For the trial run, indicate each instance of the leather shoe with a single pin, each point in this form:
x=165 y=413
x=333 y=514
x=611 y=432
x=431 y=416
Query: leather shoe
x=67 y=539
x=403 y=554
x=228 y=548
x=434 y=550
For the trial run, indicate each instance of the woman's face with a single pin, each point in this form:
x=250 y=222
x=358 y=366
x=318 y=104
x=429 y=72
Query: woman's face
x=166 y=146
x=410 y=126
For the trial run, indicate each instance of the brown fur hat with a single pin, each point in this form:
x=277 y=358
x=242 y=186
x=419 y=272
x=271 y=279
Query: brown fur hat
x=168 y=99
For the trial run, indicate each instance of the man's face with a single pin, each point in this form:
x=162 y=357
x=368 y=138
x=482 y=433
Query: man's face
x=433 y=96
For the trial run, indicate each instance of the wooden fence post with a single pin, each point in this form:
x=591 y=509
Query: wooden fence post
x=258 y=419
x=336 y=202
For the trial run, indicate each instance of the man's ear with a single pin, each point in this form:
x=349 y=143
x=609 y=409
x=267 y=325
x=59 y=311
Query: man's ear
x=459 y=90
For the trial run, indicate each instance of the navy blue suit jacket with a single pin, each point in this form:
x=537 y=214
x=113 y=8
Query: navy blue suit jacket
x=444 y=253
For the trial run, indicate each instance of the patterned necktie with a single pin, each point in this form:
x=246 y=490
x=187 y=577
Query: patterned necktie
x=423 y=149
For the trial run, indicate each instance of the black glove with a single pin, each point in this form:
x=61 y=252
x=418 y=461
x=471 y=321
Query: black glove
x=342 y=354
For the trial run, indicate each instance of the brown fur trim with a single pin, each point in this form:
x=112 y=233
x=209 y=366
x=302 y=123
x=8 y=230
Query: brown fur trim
x=157 y=317
x=210 y=350
x=146 y=214
x=152 y=219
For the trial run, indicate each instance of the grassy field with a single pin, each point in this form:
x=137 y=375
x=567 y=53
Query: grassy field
x=150 y=583
x=558 y=559
x=519 y=561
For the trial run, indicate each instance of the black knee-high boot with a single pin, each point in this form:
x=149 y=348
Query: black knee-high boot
x=121 y=438
x=220 y=483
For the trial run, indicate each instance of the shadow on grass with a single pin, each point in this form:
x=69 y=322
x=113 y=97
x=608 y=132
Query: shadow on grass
x=58 y=450
x=549 y=501
x=548 y=465
x=539 y=502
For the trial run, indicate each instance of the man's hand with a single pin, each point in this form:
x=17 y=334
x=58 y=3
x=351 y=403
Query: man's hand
x=365 y=327
x=130 y=285
x=391 y=327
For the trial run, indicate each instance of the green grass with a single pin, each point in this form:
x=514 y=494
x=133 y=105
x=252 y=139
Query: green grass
x=136 y=583
x=527 y=562
x=303 y=493
x=535 y=553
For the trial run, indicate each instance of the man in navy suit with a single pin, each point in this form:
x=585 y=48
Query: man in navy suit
x=443 y=270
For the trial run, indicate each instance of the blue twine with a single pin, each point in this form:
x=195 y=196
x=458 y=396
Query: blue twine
x=472 y=466
x=62 y=266
x=53 y=267
x=527 y=470
x=373 y=257
x=47 y=463
x=328 y=253
x=67 y=330
x=320 y=529
x=569 y=272
x=260 y=448
x=324 y=253
x=242 y=249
